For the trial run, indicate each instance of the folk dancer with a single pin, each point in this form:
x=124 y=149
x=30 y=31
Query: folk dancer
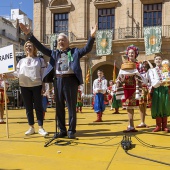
x=110 y=93
x=99 y=89
x=128 y=84
x=2 y=98
x=115 y=103
x=79 y=99
x=160 y=109
x=143 y=70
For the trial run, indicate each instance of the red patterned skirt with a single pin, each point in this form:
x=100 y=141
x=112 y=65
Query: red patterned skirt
x=130 y=102
x=2 y=97
x=109 y=97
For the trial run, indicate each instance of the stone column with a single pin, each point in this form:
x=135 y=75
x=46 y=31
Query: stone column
x=37 y=30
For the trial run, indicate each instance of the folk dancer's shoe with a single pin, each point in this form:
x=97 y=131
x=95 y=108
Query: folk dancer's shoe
x=142 y=125
x=158 y=124
x=164 y=124
x=130 y=129
x=99 y=117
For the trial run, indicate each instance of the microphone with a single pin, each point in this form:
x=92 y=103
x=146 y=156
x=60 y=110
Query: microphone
x=55 y=44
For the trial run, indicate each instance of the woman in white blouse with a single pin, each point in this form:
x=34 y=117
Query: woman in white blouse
x=29 y=72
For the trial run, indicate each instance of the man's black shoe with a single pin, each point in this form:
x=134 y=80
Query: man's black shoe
x=71 y=136
x=60 y=135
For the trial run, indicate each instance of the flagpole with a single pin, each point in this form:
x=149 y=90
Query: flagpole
x=114 y=71
x=91 y=86
x=6 y=110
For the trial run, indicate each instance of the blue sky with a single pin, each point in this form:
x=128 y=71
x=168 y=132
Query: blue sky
x=25 y=5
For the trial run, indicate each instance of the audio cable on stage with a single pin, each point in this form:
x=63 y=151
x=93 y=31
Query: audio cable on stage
x=127 y=145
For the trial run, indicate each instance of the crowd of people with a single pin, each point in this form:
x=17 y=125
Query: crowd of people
x=134 y=88
x=138 y=87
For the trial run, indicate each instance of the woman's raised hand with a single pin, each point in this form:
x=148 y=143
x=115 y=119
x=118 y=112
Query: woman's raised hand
x=24 y=28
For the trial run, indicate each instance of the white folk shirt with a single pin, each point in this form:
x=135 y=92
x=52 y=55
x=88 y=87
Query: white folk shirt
x=100 y=84
x=114 y=89
x=30 y=71
x=145 y=78
x=155 y=77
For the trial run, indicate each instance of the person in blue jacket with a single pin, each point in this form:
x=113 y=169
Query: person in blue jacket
x=66 y=62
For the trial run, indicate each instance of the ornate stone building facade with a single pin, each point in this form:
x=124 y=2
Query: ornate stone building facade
x=126 y=17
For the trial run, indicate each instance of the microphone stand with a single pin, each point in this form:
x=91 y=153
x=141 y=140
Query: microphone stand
x=55 y=93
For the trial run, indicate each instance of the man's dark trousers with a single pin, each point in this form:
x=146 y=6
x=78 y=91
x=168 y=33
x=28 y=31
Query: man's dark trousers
x=66 y=90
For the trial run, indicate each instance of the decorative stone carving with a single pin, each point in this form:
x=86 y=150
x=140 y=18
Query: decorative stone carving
x=105 y=3
x=151 y=1
x=57 y=6
x=59 y=2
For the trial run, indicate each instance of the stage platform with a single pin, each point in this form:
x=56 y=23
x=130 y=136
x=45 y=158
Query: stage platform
x=98 y=146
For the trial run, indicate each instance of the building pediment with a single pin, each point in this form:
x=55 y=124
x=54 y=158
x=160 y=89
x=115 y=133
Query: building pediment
x=105 y=3
x=151 y=1
x=57 y=6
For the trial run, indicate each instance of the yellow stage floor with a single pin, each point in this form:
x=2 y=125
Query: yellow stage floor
x=97 y=148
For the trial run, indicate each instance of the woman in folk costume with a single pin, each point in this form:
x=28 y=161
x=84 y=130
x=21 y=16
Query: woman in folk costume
x=79 y=99
x=115 y=103
x=99 y=89
x=110 y=93
x=128 y=83
x=2 y=98
x=143 y=70
x=160 y=109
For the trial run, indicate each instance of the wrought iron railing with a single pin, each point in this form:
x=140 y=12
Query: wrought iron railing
x=119 y=33
x=136 y=32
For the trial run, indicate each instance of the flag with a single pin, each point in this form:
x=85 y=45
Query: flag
x=153 y=39
x=104 y=42
x=10 y=67
x=88 y=75
x=114 y=71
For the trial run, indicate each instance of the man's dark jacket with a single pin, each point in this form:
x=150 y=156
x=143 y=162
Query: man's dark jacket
x=55 y=55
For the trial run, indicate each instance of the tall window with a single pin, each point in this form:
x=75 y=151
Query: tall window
x=61 y=23
x=106 y=18
x=152 y=15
